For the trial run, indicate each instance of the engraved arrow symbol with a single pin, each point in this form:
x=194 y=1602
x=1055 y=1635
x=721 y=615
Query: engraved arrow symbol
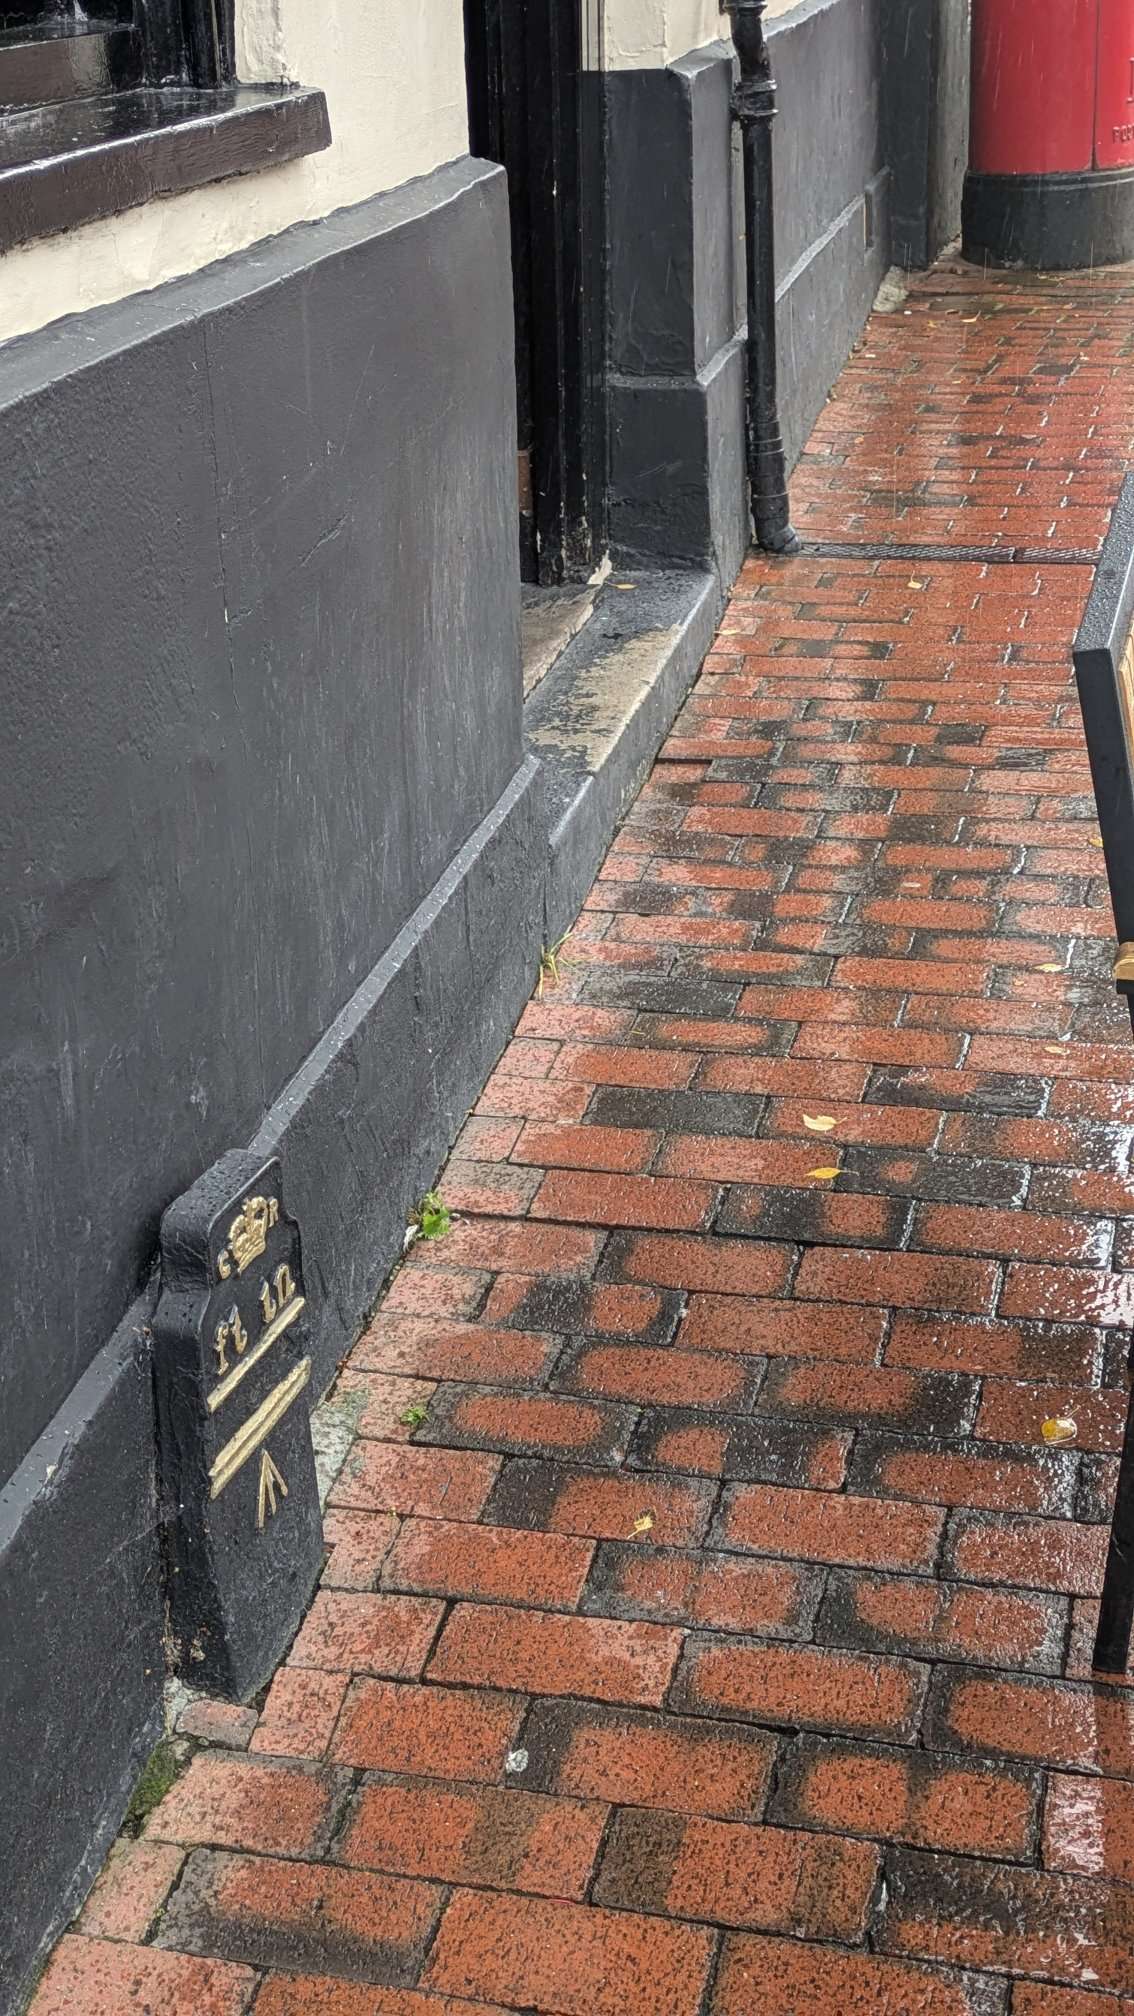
x=271 y=1481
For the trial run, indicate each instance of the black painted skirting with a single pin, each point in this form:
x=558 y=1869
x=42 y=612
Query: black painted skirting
x=1049 y=223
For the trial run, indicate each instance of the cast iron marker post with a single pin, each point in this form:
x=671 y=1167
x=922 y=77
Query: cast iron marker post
x=754 y=108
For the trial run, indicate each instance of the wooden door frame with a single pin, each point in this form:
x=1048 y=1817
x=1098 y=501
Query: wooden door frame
x=536 y=105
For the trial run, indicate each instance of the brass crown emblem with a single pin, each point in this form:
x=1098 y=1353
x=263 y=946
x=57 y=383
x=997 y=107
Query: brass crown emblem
x=248 y=1235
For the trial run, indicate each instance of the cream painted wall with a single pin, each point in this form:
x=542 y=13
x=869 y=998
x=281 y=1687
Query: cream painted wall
x=640 y=34
x=394 y=77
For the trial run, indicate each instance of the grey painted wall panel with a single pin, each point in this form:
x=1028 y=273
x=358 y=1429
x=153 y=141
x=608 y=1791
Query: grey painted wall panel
x=83 y=1663
x=827 y=135
x=261 y=663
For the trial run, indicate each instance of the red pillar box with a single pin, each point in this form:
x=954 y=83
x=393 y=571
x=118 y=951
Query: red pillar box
x=1051 y=157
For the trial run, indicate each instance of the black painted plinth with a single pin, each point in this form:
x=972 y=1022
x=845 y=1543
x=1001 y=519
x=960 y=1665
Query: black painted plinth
x=1049 y=223
x=244 y=1536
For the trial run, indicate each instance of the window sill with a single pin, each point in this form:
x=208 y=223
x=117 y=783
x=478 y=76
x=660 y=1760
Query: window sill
x=66 y=164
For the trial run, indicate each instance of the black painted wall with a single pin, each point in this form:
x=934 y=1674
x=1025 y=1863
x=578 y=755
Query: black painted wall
x=831 y=196
x=676 y=371
x=925 y=45
x=260 y=660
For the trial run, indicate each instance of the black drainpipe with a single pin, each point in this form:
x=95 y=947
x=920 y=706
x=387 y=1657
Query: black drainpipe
x=754 y=108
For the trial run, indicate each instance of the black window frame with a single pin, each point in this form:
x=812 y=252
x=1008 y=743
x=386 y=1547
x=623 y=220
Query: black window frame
x=119 y=45
x=138 y=98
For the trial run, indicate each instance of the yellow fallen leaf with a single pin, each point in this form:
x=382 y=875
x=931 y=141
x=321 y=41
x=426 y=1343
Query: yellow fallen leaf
x=1056 y=1049
x=915 y=584
x=1094 y=841
x=1050 y=966
x=818 y=1123
x=644 y=1524
x=970 y=318
x=1059 y=1428
x=823 y=1172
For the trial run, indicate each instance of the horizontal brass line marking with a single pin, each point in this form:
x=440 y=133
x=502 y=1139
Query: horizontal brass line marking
x=247 y=1439
x=263 y=1343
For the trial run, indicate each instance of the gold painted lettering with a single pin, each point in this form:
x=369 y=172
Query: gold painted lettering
x=231 y=1331
x=271 y=1482
x=277 y=1293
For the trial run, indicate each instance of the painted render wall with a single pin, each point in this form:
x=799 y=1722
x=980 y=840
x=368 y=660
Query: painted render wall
x=648 y=34
x=395 y=84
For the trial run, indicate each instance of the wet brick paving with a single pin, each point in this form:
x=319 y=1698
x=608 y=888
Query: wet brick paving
x=718 y=1642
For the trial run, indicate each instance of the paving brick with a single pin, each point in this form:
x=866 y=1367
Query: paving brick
x=677 y=1764
x=229 y=1801
x=299 y=1715
x=675 y=1112
x=1029 y=1553
x=1068 y=1294
x=802 y=1686
x=763 y=1451
x=783 y=1329
x=774 y=1879
x=784 y=1977
x=134 y=1883
x=549 y=1654
x=322 y=1995
x=1001 y=1350
x=271 y=1913
x=918 y=1796
x=347 y=1631
x=500 y=1564
x=501 y=1839
x=668 y=1378
x=1017 y=1413
x=1043 y=1721
x=521 y=1247
x=527 y=1424
x=815 y=1216
x=829 y=1526
x=989 y=1914
x=568 y=1960
x=730 y=1160
x=92 y=1977
x=626 y=1150
x=719 y=1592
x=221 y=1722
x=596 y=1199
x=944 y=1620
x=550 y=1498
x=460 y=1733
x=961 y=1228
x=1088 y=1827
x=923 y=1403
x=1031 y=1998
x=443 y=1483
x=902 y=1280
x=725 y=1266
x=994 y=1475
x=663 y=1070
x=597 y=1308
x=359 y=1543
x=434 y=1291
x=456 y=1351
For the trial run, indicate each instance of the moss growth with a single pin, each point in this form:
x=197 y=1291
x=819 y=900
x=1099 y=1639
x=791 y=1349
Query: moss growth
x=163 y=1765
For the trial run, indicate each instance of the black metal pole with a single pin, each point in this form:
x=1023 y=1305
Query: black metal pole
x=754 y=108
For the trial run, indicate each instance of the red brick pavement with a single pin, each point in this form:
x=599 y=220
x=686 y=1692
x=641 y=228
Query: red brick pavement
x=718 y=1645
